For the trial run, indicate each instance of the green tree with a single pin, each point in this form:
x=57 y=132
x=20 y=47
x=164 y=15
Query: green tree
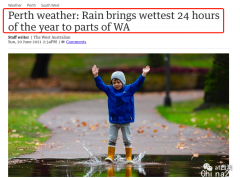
x=156 y=60
x=217 y=82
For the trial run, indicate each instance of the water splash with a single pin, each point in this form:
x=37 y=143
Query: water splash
x=137 y=159
x=94 y=170
x=90 y=172
x=118 y=159
x=93 y=159
x=97 y=164
x=97 y=160
x=140 y=169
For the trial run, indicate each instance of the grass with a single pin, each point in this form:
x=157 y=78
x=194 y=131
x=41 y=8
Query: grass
x=25 y=133
x=215 y=119
x=192 y=60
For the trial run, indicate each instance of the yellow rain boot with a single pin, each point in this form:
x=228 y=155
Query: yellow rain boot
x=128 y=155
x=111 y=152
x=128 y=171
x=111 y=172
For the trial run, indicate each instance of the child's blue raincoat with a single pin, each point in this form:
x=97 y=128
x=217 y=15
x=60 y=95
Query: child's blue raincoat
x=120 y=102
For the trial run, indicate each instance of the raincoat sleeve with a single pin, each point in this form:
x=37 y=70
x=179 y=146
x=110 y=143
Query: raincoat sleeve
x=137 y=84
x=101 y=85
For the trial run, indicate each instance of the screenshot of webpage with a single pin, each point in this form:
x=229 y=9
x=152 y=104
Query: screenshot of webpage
x=150 y=86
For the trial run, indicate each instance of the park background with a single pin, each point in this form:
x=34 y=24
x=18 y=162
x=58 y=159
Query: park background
x=39 y=82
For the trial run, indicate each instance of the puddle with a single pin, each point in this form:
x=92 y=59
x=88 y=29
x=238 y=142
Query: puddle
x=150 y=166
x=143 y=166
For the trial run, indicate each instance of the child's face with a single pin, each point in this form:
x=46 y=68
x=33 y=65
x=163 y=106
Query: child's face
x=117 y=84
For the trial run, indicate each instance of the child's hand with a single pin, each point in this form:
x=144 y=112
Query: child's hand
x=95 y=70
x=145 y=71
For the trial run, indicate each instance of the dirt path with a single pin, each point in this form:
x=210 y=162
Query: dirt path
x=68 y=131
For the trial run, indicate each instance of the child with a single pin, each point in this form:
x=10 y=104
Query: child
x=120 y=108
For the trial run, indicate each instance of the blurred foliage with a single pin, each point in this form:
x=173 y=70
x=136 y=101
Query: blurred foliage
x=154 y=82
x=71 y=65
x=69 y=70
x=217 y=81
x=156 y=60
x=215 y=118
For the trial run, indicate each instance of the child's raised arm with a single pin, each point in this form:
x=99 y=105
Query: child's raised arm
x=135 y=86
x=98 y=81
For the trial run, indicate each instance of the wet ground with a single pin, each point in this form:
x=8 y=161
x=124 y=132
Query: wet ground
x=144 y=166
x=73 y=123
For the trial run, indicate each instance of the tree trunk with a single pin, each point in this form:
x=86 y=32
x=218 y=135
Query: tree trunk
x=217 y=83
x=40 y=69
